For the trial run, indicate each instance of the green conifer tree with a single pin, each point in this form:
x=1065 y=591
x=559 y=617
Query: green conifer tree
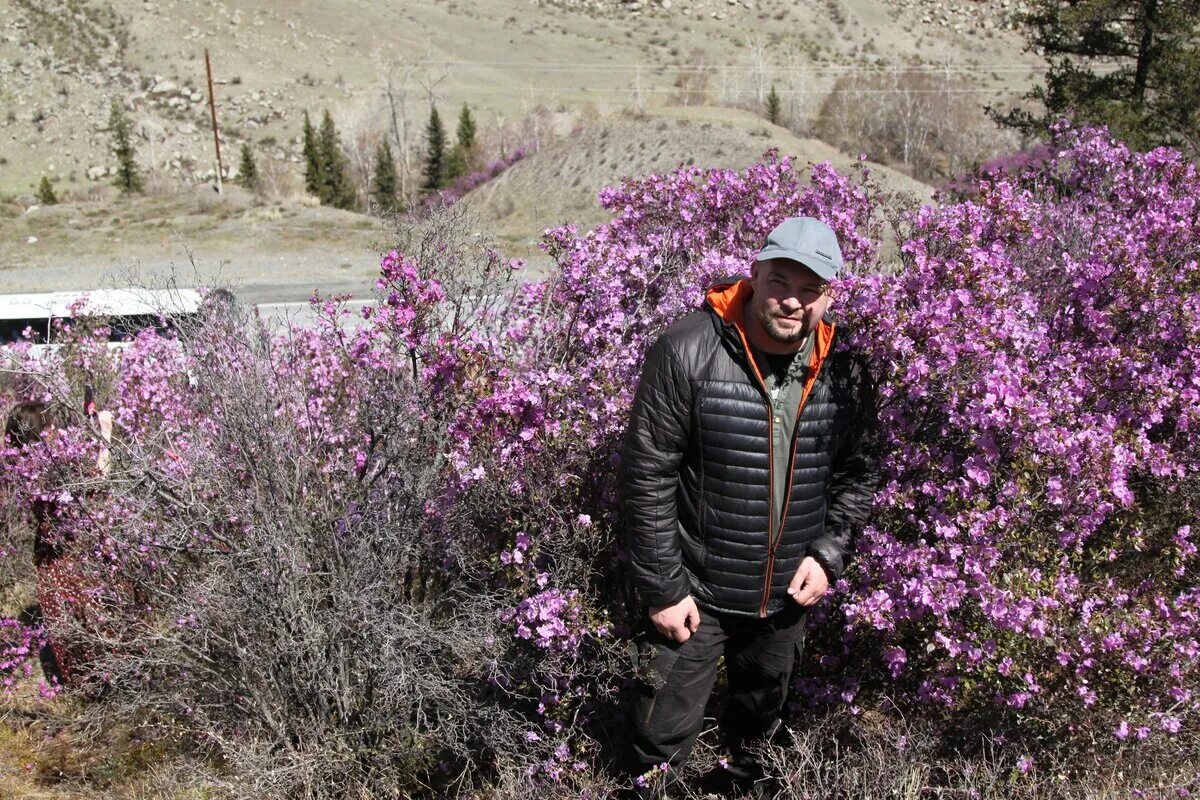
x=45 y=193
x=120 y=128
x=335 y=189
x=774 y=107
x=383 y=186
x=459 y=162
x=466 y=128
x=435 y=154
x=312 y=159
x=1133 y=65
x=248 y=170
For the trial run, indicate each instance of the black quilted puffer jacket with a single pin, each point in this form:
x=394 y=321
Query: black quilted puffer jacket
x=696 y=466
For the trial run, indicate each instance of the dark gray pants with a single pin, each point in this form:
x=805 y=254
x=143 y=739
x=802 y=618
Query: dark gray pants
x=677 y=679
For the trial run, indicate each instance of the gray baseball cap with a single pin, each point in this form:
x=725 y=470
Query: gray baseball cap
x=808 y=241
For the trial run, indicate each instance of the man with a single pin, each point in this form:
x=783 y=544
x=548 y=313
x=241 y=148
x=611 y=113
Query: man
x=748 y=467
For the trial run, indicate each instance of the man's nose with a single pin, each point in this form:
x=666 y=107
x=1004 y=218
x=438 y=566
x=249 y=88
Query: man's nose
x=791 y=303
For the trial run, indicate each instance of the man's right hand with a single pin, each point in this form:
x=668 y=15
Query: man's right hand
x=677 y=622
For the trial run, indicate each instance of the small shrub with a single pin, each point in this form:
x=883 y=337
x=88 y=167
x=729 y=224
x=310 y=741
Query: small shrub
x=45 y=193
x=248 y=169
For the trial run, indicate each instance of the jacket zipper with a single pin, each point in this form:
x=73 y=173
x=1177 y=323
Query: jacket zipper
x=762 y=384
x=774 y=538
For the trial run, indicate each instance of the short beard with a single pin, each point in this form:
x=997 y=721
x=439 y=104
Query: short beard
x=779 y=334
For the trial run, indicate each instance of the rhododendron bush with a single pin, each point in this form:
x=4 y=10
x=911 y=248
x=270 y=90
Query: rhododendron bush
x=390 y=551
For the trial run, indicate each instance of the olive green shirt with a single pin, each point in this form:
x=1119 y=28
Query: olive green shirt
x=785 y=375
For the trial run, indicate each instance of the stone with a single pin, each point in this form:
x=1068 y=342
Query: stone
x=164 y=87
x=151 y=130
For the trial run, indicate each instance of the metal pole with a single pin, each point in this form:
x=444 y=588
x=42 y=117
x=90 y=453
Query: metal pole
x=212 y=106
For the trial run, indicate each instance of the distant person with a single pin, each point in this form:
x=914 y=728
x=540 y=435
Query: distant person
x=63 y=586
x=748 y=467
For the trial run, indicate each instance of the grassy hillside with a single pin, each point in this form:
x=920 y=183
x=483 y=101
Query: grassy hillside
x=560 y=183
x=62 y=62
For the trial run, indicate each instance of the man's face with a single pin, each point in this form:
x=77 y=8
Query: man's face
x=789 y=299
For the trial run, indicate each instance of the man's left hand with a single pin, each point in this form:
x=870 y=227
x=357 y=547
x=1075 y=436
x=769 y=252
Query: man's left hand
x=810 y=582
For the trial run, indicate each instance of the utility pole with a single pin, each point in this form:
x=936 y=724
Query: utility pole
x=212 y=107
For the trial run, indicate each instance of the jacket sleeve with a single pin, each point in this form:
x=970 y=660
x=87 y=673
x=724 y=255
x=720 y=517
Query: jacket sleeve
x=854 y=478
x=655 y=443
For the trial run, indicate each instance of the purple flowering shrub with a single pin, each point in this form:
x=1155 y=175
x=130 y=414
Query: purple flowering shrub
x=968 y=184
x=1031 y=566
x=489 y=171
x=393 y=549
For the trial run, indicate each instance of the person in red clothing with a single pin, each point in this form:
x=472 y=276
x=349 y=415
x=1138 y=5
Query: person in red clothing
x=63 y=585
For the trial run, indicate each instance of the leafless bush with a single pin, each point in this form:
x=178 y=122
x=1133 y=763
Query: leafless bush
x=277 y=177
x=363 y=128
x=877 y=755
x=693 y=79
x=308 y=620
x=926 y=122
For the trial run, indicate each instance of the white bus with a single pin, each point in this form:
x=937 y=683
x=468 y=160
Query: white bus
x=125 y=311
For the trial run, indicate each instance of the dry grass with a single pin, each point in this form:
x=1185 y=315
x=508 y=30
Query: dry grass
x=560 y=182
x=44 y=755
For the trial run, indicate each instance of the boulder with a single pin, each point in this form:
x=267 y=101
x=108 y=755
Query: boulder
x=151 y=130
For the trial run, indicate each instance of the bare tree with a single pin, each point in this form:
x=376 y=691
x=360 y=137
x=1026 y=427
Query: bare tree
x=692 y=80
x=396 y=90
x=727 y=85
x=638 y=94
x=759 y=68
x=403 y=77
x=912 y=117
x=362 y=129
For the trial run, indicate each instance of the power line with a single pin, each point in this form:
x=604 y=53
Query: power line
x=832 y=69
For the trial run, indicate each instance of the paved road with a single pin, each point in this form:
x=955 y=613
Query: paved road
x=280 y=315
x=276 y=293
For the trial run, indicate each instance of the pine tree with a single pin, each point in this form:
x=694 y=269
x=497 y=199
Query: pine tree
x=45 y=193
x=248 y=170
x=1147 y=87
x=335 y=189
x=774 y=107
x=312 y=159
x=466 y=129
x=119 y=126
x=435 y=158
x=459 y=162
x=383 y=189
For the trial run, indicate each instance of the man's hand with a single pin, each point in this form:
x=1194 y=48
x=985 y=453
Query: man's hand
x=809 y=583
x=677 y=622
x=105 y=421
